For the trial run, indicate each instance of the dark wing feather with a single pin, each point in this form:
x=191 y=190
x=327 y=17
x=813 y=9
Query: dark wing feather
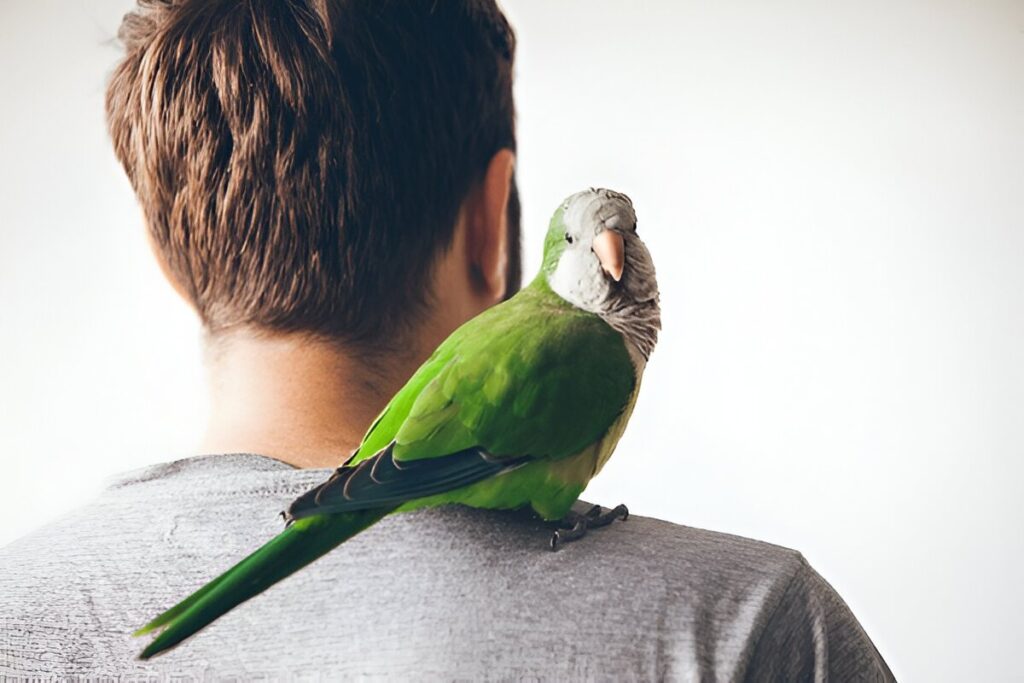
x=382 y=481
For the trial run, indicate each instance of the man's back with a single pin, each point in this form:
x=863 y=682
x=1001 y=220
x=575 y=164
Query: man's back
x=442 y=593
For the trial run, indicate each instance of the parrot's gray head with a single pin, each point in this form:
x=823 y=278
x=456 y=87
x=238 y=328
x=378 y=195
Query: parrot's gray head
x=594 y=259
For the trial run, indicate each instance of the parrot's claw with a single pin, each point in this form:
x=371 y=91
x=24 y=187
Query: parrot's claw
x=578 y=531
x=573 y=518
x=617 y=512
x=575 y=525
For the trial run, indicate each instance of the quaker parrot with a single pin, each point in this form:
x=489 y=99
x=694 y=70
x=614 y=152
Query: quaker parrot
x=519 y=407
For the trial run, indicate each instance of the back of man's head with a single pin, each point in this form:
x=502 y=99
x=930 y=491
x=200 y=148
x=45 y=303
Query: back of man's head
x=301 y=163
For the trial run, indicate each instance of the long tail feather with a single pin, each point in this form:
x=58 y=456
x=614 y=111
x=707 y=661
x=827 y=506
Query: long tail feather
x=295 y=547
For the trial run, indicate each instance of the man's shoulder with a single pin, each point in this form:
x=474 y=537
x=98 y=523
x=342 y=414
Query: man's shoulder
x=249 y=490
x=439 y=592
x=688 y=549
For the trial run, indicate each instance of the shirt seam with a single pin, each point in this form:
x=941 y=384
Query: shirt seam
x=802 y=567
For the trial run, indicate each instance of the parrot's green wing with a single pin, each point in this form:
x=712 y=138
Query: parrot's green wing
x=540 y=378
x=531 y=379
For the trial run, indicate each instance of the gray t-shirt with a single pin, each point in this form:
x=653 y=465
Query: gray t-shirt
x=446 y=593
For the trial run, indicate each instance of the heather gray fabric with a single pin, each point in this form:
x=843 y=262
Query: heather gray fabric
x=449 y=593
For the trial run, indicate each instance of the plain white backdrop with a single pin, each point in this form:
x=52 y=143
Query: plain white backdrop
x=834 y=197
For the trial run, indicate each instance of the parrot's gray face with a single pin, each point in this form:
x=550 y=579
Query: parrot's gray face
x=605 y=268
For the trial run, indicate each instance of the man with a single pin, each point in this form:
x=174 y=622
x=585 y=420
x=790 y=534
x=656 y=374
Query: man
x=330 y=184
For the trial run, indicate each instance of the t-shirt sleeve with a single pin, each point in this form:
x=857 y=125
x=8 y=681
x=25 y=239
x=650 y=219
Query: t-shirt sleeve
x=813 y=636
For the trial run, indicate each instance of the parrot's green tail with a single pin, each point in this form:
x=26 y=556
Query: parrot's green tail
x=295 y=547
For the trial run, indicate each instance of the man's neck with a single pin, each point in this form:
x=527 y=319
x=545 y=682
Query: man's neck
x=305 y=402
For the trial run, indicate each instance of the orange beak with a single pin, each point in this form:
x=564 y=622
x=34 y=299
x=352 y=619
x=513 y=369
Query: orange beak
x=611 y=252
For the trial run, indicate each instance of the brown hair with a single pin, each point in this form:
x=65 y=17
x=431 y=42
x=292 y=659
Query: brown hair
x=301 y=163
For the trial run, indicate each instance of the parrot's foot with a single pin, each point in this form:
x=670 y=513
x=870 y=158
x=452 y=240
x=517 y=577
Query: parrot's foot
x=575 y=525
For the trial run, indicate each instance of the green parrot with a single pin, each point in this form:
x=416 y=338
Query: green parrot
x=519 y=407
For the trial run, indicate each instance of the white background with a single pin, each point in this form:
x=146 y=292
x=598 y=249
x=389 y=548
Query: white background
x=834 y=196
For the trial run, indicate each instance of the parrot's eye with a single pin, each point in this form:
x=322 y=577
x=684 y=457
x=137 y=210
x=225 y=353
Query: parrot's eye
x=568 y=238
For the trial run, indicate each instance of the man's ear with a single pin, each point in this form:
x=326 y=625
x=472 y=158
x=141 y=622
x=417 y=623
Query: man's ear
x=487 y=226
